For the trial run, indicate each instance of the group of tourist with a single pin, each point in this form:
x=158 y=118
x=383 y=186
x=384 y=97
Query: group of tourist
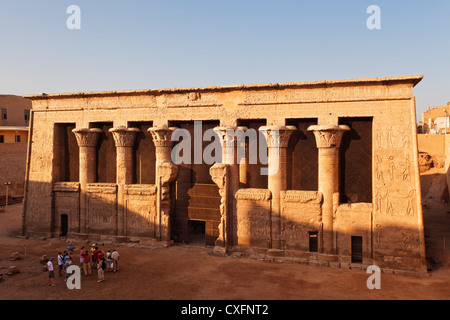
x=94 y=258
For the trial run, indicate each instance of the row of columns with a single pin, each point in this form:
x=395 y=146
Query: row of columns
x=124 y=139
x=226 y=175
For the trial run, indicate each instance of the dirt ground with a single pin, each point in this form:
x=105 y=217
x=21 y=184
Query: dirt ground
x=189 y=272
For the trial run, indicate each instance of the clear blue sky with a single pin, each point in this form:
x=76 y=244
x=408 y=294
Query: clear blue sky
x=185 y=43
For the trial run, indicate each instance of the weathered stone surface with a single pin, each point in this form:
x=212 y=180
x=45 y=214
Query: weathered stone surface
x=386 y=225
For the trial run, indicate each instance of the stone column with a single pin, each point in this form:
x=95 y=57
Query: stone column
x=328 y=140
x=219 y=174
x=87 y=142
x=277 y=138
x=124 y=140
x=166 y=173
x=226 y=176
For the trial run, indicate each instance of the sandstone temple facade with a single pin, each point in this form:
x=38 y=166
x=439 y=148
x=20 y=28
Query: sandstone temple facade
x=342 y=186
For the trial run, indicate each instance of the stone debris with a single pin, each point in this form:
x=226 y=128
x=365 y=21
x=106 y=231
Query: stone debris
x=44 y=259
x=12 y=270
x=14 y=256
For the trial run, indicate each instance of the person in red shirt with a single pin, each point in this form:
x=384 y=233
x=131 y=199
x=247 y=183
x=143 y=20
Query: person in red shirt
x=87 y=263
x=95 y=255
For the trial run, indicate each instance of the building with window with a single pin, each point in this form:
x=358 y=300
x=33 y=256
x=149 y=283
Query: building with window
x=14 y=126
x=321 y=172
x=436 y=119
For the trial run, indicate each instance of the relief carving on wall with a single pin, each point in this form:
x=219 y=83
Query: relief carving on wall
x=389 y=201
x=219 y=175
x=191 y=99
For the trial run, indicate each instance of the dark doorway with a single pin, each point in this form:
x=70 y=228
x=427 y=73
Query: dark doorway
x=355 y=161
x=106 y=153
x=302 y=156
x=64 y=225
x=197 y=233
x=254 y=177
x=356 y=249
x=196 y=195
x=313 y=242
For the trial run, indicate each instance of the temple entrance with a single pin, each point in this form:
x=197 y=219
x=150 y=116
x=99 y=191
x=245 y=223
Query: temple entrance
x=64 y=225
x=197 y=200
x=196 y=229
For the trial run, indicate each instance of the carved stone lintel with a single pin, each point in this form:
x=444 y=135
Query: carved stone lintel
x=301 y=196
x=124 y=137
x=87 y=137
x=277 y=136
x=66 y=187
x=140 y=189
x=328 y=136
x=253 y=194
x=162 y=136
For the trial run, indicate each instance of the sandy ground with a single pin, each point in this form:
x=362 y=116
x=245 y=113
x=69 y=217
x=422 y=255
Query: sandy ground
x=188 y=272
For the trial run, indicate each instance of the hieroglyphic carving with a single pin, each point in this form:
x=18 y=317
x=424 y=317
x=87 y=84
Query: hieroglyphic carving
x=191 y=99
x=391 y=200
x=392 y=137
x=392 y=168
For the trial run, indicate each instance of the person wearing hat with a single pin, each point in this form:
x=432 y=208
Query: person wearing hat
x=51 y=273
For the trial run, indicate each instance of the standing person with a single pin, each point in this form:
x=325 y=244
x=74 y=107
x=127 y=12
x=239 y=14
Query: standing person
x=95 y=256
x=60 y=263
x=67 y=265
x=101 y=267
x=82 y=256
x=108 y=261
x=92 y=255
x=115 y=258
x=87 y=263
x=51 y=273
x=70 y=247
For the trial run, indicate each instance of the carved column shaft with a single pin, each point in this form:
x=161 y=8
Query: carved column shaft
x=87 y=142
x=124 y=140
x=166 y=173
x=219 y=174
x=328 y=140
x=277 y=138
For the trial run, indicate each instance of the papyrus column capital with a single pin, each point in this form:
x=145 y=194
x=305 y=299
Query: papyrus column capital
x=87 y=137
x=124 y=137
x=328 y=136
x=277 y=136
x=162 y=135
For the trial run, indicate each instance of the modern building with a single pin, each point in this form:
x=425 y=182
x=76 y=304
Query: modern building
x=322 y=172
x=14 y=124
x=436 y=119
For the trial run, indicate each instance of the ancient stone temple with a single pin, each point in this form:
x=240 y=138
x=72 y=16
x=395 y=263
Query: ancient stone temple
x=318 y=172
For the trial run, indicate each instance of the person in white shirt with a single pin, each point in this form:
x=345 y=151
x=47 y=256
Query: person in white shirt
x=51 y=273
x=115 y=258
